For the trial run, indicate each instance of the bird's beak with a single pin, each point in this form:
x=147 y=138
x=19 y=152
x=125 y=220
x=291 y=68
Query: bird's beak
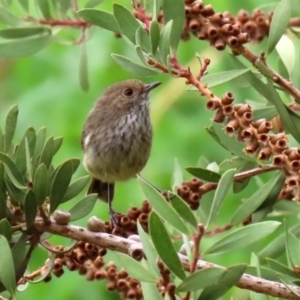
x=151 y=86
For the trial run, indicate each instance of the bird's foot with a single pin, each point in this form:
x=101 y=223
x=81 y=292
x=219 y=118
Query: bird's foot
x=114 y=219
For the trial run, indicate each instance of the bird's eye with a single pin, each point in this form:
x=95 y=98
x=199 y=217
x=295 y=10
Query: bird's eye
x=128 y=92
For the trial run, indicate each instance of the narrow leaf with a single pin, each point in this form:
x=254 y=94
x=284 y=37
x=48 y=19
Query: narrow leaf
x=57 y=142
x=204 y=174
x=267 y=113
x=135 y=269
x=286 y=50
x=201 y=279
x=7 y=271
x=30 y=208
x=2 y=204
x=229 y=279
x=24 y=46
x=243 y=237
x=19 y=32
x=255 y=200
x=133 y=67
x=47 y=152
x=127 y=22
x=184 y=210
x=173 y=10
x=41 y=184
x=154 y=36
x=149 y=250
x=279 y=23
x=142 y=38
x=162 y=207
x=150 y=291
x=10 y=125
x=12 y=171
x=75 y=188
x=224 y=185
x=164 y=246
x=5 y=229
x=40 y=140
x=164 y=42
x=213 y=80
x=100 y=18
x=8 y=18
x=83 y=207
x=60 y=184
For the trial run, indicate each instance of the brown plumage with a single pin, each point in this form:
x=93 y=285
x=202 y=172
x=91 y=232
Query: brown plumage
x=117 y=137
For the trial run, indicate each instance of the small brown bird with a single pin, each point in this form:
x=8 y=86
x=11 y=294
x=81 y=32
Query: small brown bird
x=117 y=137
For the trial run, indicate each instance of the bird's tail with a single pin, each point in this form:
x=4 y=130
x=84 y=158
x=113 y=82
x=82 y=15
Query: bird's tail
x=105 y=190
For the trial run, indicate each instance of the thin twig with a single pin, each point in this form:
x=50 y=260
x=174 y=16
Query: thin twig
x=120 y=244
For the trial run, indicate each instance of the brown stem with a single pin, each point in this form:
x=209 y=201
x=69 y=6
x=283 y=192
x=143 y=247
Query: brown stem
x=120 y=244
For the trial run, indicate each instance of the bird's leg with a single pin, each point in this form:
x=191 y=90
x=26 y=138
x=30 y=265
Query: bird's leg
x=113 y=215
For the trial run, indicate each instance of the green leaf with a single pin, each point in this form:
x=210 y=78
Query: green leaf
x=28 y=161
x=267 y=113
x=41 y=184
x=7 y=271
x=24 y=4
x=47 y=152
x=75 y=188
x=12 y=171
x=132 y=67
x=24 y=46
x=142 y=38
x=10 y=124
x=93 y=3
x=31 y=139
x=20 y=157
x=255 y=200
x=100 y=18
x=164 y=246
x=16 y=194
x=280 y=268
x=286 y=115
x=135 y=269
x=244 y=166
x=150 y=291
x=223 y=188
x=230 y=143
x=5 y=229
x=293 y=247
x=2 y=204
x=44 y=7
x=174 y=10
x=2 y=137
x=164 y=42
x=213 y=80
x=22 y=32
x=204 y=174
x=60 y=184
x=57 y=142
x=154 y=36
x=286 y=50
x=6 y=17
x=127 y=22
x=30 y=208
x=83 y=207
x=162 y=207
x=201 y=279
x=279 y=23
x=40 y=140
x=184 y=210
x=229 y=279
x=177 y=177
x=295 y=72
x=243 y=237
x=83 y=69
x=149 y=250
x=18 y=252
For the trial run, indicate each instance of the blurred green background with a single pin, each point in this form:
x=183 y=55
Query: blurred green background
x=46 y=88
